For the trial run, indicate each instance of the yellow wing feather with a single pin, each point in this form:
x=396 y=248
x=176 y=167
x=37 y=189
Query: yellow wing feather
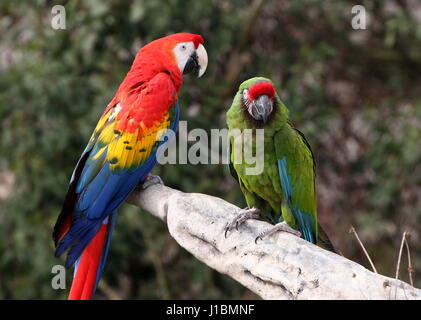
x=126 y=150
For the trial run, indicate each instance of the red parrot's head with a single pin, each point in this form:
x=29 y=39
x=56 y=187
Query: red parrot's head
x=189 y=52
x=176 y=54
x=258 y=99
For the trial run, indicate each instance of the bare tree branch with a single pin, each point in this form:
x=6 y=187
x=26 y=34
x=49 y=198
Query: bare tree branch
x=280 y=267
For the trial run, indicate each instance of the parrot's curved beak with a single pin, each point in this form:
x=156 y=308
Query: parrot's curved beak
x=197 y=62
x=202 y=57
x=261 y=109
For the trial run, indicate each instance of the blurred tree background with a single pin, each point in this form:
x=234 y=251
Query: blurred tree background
x=354 y=93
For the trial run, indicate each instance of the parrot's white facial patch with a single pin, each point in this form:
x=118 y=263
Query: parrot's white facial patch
x=246 y=100
x=182 y=52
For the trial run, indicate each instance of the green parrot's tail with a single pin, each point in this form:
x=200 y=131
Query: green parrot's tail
x=324 y=242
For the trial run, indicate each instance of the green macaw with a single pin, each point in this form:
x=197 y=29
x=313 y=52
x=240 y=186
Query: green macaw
x=284 y=191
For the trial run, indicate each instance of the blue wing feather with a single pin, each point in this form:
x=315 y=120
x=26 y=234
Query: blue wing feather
x=111 y=223
x=90 y=170
x=305 y=220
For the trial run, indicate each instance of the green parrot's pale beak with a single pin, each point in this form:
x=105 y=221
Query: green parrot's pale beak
x=262 y=108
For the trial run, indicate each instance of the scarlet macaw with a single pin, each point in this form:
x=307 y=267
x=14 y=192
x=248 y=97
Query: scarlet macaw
x=122 y=152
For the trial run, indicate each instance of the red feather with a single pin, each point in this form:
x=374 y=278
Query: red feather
x=152 y=108
x=261 y=88
x=84 y=282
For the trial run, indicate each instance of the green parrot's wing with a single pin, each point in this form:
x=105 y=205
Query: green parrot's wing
x=296 y=168
x=250 y=197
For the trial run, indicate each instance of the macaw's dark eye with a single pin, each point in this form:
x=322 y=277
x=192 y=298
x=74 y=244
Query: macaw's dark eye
x=183 y=47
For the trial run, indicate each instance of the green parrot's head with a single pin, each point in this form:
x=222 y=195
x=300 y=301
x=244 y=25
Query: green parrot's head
x=258 y=99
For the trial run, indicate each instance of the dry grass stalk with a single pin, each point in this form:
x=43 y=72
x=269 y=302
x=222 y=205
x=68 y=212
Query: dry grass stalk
x=352 y=230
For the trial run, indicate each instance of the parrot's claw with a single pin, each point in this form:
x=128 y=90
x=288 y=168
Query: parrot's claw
x=151 y=180
x=282 y=226
x=244 y=214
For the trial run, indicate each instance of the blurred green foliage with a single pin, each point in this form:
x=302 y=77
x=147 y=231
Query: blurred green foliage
x=354 y=93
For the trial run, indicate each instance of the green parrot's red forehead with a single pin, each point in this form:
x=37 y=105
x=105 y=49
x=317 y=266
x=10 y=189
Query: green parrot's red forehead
x=260 y=88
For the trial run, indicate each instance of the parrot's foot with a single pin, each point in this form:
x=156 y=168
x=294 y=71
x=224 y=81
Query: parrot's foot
x=151 y=180
x=282 y=226
x=245 y=214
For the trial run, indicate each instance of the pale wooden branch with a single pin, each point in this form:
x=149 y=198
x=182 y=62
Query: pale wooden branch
x=280 y=267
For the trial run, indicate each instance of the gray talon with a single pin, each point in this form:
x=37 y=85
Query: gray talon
x=151 y=180
x=282 y=226
x=244 y=214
